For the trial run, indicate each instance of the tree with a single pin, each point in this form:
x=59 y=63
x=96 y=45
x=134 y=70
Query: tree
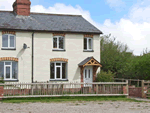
x=113 y=55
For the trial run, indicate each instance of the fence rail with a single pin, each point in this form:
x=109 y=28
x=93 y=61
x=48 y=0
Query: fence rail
x=11 y=90
x=136 y=82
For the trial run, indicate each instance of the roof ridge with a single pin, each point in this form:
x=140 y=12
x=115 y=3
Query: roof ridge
x=55 y=14
x=45 y=13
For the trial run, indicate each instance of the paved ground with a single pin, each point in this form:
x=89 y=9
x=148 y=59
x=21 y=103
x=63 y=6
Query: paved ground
x=77 y=107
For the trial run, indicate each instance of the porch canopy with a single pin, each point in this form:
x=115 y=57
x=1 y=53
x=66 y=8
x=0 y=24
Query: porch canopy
x=89 y=61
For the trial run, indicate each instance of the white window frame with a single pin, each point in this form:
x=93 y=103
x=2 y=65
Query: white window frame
x=88 y=44
x=9 y=42
x=10 y=71
x=58 y=43
x=55 y=66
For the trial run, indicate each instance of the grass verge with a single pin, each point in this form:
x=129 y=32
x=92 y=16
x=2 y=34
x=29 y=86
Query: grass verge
x=68 y=99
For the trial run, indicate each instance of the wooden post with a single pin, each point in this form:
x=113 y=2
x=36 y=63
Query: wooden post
x=127 y=87
x=62 y=88
x=142 y=88
x=130 y=83
x=47 y=89
x=32 y=89
x=96 y=88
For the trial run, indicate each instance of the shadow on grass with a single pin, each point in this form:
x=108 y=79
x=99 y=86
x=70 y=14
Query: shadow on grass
x=67 y=99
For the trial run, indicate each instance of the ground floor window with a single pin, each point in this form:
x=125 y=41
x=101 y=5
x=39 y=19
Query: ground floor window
x=9 y=70
x=58 y=71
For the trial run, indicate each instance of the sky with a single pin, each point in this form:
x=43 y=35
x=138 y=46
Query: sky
x=126 y=20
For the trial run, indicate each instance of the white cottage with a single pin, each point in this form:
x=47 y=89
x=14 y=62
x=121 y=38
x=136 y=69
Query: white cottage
x=47 y=47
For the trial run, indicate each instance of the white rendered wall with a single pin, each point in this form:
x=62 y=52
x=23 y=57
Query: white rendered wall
x=43 y=44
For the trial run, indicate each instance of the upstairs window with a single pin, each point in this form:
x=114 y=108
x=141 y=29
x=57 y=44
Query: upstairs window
x=88 y=44
x=58 y=42
x=8 y=41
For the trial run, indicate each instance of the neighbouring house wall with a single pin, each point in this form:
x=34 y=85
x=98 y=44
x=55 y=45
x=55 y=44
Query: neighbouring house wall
x=43 y=44
x=24 y=56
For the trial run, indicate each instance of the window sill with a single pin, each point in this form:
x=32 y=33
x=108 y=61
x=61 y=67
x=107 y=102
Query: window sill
x=11 y=80
x=88 y=50
x=58 y=50
x=58 y=80
x=8 y=48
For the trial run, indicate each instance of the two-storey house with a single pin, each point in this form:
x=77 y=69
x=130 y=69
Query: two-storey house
x=47 y=47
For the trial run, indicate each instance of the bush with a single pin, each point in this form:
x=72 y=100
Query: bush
x=1 y=80
x=105 y=76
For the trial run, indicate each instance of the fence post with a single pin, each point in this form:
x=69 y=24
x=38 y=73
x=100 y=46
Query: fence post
x=130 y=82
x=62 y=88
x=138 y=82
x=96 y=88
x=142 y=88
x=127 y=87
x=32 y=89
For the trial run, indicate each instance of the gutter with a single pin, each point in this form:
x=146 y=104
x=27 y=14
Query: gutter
x=32 y=56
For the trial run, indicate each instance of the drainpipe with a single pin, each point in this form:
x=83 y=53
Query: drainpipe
x=32 y=55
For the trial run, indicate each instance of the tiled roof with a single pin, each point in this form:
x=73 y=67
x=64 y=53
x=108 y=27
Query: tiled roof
x=46 y=22
x=85 y=61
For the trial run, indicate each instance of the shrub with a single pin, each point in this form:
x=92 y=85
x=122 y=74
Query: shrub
x=105 y=76
x=1 y=80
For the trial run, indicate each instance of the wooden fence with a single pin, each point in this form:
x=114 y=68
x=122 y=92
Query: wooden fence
x=11 y=90
x=135 y=82
x=145 y=89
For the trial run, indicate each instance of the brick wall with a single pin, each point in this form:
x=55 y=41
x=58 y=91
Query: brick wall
x=1 y=91
x=135 y=91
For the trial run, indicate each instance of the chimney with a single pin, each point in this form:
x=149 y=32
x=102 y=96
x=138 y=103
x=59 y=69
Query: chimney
x=22 y=7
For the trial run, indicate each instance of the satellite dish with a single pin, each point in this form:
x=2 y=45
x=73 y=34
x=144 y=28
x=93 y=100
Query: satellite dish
x=24 y=46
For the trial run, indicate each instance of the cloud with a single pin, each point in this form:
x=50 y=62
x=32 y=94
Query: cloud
x=135 y=35
x=140 y=14
x=117 y=4
x=6 y=4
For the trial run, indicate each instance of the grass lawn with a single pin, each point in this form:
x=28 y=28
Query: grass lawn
x=68 y=99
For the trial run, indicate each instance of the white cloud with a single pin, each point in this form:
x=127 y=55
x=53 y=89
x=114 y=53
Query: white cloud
x=129 y=31
x=135 y=35
x=117 y=4
x=140 y=14
x=6 y=4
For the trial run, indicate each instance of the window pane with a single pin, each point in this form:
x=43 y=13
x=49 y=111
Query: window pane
x=2 y=69
x=14 y=70
x=90 y=43
x=57 y=64
x=7 y=63
x=63 y=70
x=85 y=73
x=12 y=41
x=54 y=42
x=89 y=73
x=58 y=72
x=52 y=71
x=7 y=72
x=61 y=41
x=5 y=41
x=85 y=43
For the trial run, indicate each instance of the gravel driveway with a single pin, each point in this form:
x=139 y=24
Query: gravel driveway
x=77 y=107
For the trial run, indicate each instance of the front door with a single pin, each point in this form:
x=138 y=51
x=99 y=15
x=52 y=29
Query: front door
x=88 y=75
